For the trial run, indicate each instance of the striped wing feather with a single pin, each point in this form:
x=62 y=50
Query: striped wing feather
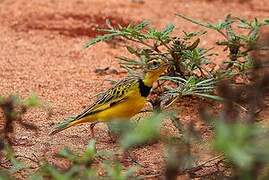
x=111 y=96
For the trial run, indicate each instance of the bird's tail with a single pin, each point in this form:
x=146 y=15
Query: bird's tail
x=69 y=122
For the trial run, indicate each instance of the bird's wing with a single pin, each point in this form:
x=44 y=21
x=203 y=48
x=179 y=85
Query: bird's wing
x=110 y=97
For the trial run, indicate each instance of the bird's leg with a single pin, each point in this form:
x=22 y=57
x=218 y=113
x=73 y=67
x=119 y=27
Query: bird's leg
x=91 y=128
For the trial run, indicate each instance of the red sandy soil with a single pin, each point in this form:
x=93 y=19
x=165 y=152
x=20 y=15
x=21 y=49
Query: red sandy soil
x=41 y=51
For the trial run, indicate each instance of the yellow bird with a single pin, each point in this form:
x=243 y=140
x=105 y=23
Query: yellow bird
x=122 y=101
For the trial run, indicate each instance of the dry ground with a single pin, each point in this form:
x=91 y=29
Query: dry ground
x=41 y=51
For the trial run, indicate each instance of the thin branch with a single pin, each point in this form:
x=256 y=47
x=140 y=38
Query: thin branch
x=151 y=176
x=201 y=71
x=138 y=41
x=165 y=45
x=202 y=165
x=29 y=158
x=221 y=157
x=193 y=21
x=145 y=111
x=202 y=24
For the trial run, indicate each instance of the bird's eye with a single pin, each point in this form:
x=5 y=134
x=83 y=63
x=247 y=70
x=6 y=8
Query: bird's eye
x=155 y=63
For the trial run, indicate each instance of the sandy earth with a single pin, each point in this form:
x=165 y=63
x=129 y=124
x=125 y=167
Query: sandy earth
x=41 y=51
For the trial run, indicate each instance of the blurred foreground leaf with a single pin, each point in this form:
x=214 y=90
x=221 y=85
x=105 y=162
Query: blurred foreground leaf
x=147 y=129
x=242 y=143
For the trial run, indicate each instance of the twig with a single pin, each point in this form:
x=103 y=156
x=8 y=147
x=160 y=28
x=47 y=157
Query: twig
x=201 y=165
x=164 y=44
x=138 y=41
x=29 y=158
x=210 y=160
x=145 y=111
x=133 y=160
x=152 y=175
x=202 y=24
x=201 y=71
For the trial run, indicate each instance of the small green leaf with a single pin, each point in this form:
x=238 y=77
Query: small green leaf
x=194 y=44
x=68 y=154
x=32 y=101
x=9 y=154
x=105 y=37
x=90 y=151
x=243 y=23
x=141 y=25
x=189 y=35
x=131 y=49
x=209 y=96
x=53 y=172
x=168 y=29
x=117 y=172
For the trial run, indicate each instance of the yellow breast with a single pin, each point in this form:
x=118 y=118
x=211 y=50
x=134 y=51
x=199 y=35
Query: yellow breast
x=128 y=107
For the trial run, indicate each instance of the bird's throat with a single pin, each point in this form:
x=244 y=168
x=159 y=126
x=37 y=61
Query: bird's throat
x=143 y=88
x=151 y=77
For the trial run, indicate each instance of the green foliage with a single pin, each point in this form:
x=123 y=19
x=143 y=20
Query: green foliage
x=121 y=127
x=195 y=58
x=52 y=172
x=187 y=59
x=116 y=171
x=147 y=130
x=190 y=86
x=86 y=158
x=238 y=44
x=244 y=145
x=32 y=101
x=80 y=168
x=10 y=156
x=106 y=37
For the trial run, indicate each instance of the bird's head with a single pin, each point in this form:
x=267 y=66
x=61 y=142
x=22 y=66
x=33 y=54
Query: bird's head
x=156 y=65
x=153 y=69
